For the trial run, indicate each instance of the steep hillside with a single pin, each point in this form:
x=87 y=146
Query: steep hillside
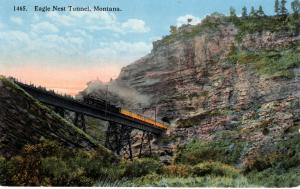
x=23 y=120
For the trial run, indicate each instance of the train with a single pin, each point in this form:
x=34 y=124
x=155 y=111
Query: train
x=98 y=102
x=95 y=101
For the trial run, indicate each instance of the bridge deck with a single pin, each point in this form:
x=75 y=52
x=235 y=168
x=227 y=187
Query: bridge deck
x=89 y=110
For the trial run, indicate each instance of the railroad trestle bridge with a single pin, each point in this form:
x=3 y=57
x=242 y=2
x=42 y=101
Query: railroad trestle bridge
x=121 y=123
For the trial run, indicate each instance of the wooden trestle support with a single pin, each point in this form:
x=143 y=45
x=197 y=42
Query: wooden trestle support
x=79 y=121
x=119 y=139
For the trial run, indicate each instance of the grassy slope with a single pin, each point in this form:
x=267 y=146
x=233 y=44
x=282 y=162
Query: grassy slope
x=46 y=149
x=51 y=123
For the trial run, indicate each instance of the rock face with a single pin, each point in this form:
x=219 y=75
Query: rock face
x=23 y=120
x=191 y=82
x=190 y=76
x=207 y=80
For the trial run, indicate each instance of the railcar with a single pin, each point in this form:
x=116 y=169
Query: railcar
x=142 y=118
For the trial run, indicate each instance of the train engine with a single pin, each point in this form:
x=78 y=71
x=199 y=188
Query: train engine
x=100 y=103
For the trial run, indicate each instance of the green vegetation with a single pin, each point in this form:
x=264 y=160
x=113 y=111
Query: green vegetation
x=216 y=169
x=141 y=167
x=275 y=178
x=270 y=63
x=295 y=5
x=210 y=23
x=201 y=175
x=49 y=164
x=221 y=151
x=197 y=164
x=96 y=129
x=177 y=170
x=278 y=167
x=47 y=111
x=254 y=22
x=257 y=21
x=211 y=181
x=258 y=24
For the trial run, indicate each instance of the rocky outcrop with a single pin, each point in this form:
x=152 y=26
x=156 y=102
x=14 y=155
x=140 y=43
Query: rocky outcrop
x=23 y=120
x=191 y=81
x=190 y=78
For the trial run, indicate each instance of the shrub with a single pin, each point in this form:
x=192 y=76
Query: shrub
x=216 y=169
x=275 y=63
x=49 y=164
x=141 y=167
x=26 y=171
x=177 y=170
x=199 y=151
x=43 y=149
x=83 y=169
x=208 y=181
x=282 y=154
x=252 y=25
x=261 y=161
x=275 y=177
x=56 y=171
x=148 y=180
x=96 y=171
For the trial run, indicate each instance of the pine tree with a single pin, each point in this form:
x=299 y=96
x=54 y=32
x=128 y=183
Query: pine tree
x=232 y=12
x=283 y=10
x=276 y=7
x=260 y=11
x=295 y=5
x=244 y=12
x=252 y=12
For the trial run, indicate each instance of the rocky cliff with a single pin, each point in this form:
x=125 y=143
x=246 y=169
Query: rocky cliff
x=210 y=80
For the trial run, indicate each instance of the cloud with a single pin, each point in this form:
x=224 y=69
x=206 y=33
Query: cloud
x=13 y=39
x=68 y=48
x=98 y=21
x=60 y=19
x=135 y=25
x=44 y=27
x=120 y=51
x=16 y=20
x=184 y=20
x=129 y=26
x=69 y=39
x=60 y=43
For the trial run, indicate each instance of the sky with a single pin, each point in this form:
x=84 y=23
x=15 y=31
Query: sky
x=64 y=50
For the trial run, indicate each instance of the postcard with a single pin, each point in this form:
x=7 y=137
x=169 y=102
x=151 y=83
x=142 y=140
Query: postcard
x=150 y=93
